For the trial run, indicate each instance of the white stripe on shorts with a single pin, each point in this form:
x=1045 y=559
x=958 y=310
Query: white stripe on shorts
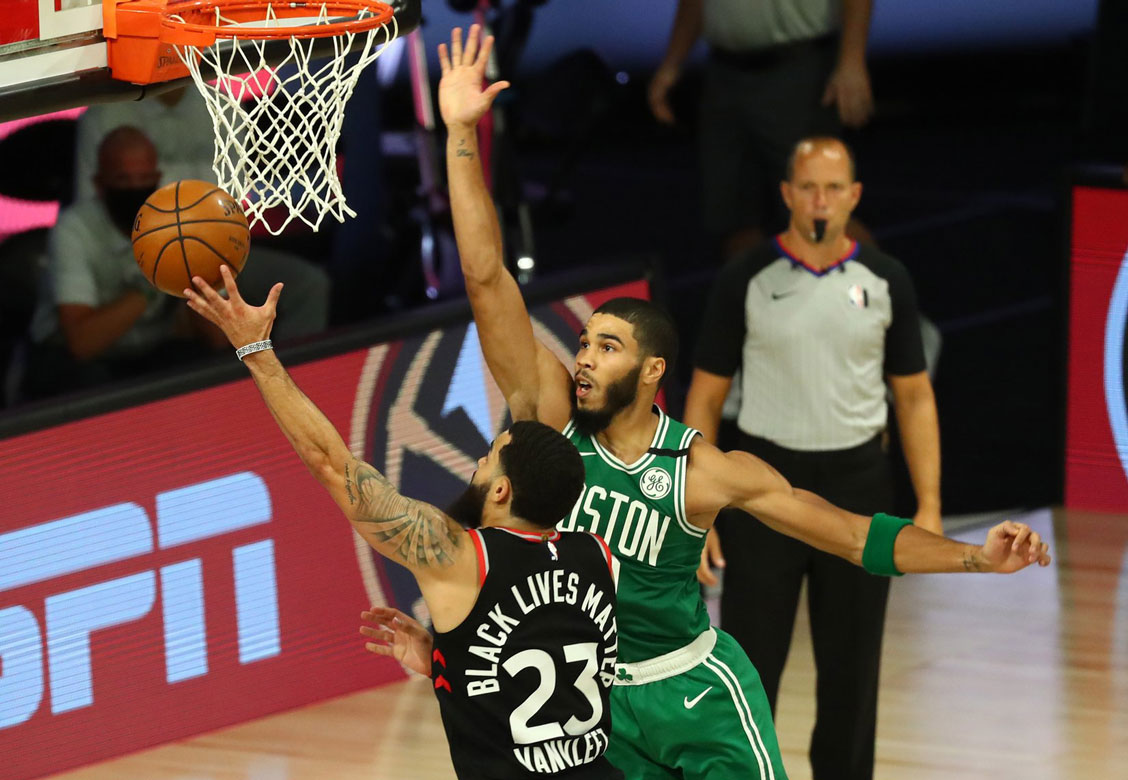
x=733 y=684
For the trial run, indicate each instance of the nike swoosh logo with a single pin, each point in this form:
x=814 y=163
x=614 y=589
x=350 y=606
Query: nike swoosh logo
x=691 y=703
x=776 y=296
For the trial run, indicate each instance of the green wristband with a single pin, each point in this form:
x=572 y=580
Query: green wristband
x=877 y=557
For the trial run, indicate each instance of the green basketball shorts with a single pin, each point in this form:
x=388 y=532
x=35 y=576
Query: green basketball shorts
x=699 y=712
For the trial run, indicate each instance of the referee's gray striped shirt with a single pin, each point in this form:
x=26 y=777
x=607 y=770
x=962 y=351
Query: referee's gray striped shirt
x=813 y=346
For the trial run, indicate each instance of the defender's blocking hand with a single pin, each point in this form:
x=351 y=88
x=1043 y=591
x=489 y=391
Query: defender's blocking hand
x=462 y=98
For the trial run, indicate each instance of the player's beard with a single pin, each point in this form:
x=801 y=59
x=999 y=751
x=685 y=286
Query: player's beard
x=620 y=394
x=467 y=508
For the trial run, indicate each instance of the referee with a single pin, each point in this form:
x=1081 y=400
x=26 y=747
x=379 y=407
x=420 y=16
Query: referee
x=817 y=325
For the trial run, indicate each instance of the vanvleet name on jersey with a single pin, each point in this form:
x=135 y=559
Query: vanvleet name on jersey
x=556 y=755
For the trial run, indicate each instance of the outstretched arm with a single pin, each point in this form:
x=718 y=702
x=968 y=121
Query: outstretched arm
x=533 y=381
x=742 y=481
x=409 y=532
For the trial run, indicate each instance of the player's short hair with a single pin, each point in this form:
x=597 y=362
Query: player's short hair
x=545 y=470
x=820 y=140
x=654 y=328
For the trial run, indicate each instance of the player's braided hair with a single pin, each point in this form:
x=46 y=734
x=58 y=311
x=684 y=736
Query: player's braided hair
x=654 y=328
x=546 y=471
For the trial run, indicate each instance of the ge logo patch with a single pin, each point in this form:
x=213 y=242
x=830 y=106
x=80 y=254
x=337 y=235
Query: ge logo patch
x=655 y=483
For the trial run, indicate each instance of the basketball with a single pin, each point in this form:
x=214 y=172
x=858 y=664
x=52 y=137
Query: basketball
x=189 y=228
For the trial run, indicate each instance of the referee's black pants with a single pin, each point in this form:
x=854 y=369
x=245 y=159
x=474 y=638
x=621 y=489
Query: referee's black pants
x=763 y=574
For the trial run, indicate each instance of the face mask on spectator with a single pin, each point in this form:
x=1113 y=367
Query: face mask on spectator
x=123 y=203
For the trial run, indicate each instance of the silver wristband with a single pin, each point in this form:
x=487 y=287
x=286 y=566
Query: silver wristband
x=255 y=346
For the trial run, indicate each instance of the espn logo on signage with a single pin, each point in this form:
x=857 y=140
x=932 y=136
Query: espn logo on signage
x=52 y=662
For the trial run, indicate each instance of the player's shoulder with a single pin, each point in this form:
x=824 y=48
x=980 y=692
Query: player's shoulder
x=677 y=435
x=704 y=458
x=584 y=539
x=710 y=481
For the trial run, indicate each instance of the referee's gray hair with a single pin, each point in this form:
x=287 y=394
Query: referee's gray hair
x=820 y=140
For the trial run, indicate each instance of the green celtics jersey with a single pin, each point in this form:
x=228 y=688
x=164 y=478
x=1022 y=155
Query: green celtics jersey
x=639 y=509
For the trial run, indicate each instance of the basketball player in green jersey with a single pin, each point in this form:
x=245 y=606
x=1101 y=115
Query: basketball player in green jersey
x=687 y=702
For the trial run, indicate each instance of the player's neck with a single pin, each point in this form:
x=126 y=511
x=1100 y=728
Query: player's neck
x=631 y=431
x=512 y=522
x=820 y=254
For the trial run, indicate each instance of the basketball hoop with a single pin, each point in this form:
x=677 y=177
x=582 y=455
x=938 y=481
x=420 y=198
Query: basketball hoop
x=278 y=153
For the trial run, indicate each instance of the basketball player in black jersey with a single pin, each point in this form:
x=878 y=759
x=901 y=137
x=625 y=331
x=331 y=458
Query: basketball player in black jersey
x=524 y=615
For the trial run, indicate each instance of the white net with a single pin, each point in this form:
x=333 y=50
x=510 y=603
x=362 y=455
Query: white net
x=277 y=126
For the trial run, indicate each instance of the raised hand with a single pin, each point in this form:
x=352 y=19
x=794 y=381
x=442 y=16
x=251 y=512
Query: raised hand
x=1012 y=546
x=240 y=322
x=398 y=636
x=462 y=98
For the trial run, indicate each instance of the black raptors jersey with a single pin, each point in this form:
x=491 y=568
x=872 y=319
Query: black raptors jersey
x=523 y=682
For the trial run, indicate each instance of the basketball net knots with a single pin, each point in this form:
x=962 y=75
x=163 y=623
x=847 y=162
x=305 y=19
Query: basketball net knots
x=277 y=127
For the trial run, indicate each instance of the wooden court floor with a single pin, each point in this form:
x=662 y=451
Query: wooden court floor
x=983 y=677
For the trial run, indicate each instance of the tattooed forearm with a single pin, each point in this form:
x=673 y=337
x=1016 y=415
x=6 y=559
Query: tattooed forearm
x=418 y=533
x=463 y=152
x=348 y=485
x=970 y=561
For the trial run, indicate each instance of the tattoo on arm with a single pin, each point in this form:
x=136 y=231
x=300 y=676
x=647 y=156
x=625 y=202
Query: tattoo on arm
x=348 y=485
x=418 y=533
x=969 y=561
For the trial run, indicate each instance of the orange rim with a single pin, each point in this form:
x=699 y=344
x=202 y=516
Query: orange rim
x=199 y=18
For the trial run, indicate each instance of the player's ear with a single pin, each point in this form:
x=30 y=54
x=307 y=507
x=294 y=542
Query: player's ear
x=653 y=369
x=501 y=490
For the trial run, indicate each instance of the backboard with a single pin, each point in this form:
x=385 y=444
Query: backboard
x=53 y=56
x=48 y=48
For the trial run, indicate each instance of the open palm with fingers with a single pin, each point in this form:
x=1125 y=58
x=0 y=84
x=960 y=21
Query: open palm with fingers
x=399 y=636
x=462 y=98
x=240 y=322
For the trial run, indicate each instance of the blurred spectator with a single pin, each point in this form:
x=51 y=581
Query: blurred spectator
x=778 y=70
x=177 y=122
x=179 y=125
x=99 y=319
x=818 y=324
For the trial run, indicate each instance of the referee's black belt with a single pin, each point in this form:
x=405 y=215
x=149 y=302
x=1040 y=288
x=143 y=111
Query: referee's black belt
x=770 y=56
x=865 y=452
